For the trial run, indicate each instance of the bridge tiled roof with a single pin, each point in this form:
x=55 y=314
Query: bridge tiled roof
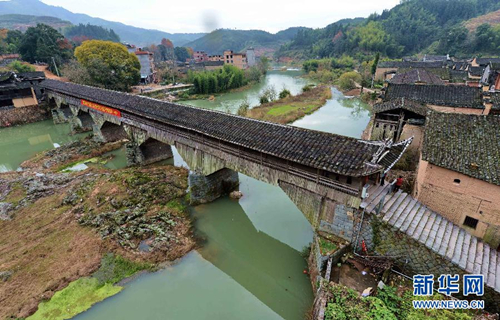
x=321 y=150
x=449 y=96
x=465 y=143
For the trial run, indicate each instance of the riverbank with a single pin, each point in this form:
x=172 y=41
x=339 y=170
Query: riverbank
x=292 y=108
x=18 y=116
x=95 y=225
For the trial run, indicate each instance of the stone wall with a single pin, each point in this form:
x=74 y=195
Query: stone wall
x=17 y=116
x=411 y=256
x=342 y=224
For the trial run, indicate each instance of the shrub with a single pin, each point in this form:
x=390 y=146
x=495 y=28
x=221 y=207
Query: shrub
x=243 y=108
x=348 y=80
x=284 y=93
x=19 y=67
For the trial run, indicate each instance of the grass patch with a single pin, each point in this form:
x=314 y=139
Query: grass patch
x=77 y=297
x=291 y=108
x=115 y=268
x=327 y=246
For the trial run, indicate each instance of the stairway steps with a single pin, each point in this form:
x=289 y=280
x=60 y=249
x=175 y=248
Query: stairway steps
x=391 y=201
x=408 y=201
x=485 y=266
x=426 y=230
x=396 y=206
x=457 y=253
x=472 y=254
x=453 y=242
x=497 y=279
x=434 y=230
x=421 y=225
x=416 y=220
x=398 y=221
x=446 y=239
x=479 y=258
x=440 y=234
x=410 y=217
x=492 y=271
x=465 y=251
x=375 y=202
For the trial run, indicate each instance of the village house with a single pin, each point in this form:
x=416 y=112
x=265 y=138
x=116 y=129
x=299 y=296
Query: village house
x=483 y=62
x=492 y=101
x=456 y=99
x=399 y=119
x=416 y=76
x=238 y=60
x=251 y=59
x=17 y=91
x=387 y=69
x=216 y=57
x=459 y=172
x=6 y=59
x=200 y=56
x=146 y=59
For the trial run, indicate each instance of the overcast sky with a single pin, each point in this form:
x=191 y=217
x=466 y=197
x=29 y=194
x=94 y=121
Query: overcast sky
x=204 y=16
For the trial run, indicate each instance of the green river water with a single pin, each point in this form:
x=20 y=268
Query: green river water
x=249 y=266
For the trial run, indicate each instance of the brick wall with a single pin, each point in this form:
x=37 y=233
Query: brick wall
x=471 y=197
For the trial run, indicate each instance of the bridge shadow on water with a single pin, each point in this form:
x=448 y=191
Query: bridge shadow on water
x=269 y=269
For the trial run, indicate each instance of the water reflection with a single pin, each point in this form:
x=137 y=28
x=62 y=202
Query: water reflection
x=230 y=102
x=23 y=142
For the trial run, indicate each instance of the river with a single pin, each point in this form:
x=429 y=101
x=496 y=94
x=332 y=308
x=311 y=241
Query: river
x=250 y=265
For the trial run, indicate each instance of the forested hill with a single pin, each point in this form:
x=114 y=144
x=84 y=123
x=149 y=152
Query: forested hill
x=223 y=39
x=413 y=26
x=22 y=22
x=137 y=36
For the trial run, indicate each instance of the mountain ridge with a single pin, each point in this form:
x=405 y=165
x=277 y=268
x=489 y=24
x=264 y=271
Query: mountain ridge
x=131 y=34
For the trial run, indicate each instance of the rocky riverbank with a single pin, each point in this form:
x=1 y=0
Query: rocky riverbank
x=96 y=225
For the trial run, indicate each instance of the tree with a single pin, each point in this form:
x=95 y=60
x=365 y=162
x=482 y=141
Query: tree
x=109 y=64
x=44 y=44
x=13 y=40
x=348 y=80
x=182 y=53
x=167 y=43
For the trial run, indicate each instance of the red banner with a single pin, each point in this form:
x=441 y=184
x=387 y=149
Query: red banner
x=101 y=108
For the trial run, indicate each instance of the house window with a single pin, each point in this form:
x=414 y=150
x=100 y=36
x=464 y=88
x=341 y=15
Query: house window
x=470 y=222
x=349 y=180
x=337 y=177
x=377 y=125
x=456 y=181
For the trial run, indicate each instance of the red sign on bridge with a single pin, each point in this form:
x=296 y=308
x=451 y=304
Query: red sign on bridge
x=101 y=108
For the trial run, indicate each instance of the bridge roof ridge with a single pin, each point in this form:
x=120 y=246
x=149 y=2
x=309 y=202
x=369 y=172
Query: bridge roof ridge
x=321 y=150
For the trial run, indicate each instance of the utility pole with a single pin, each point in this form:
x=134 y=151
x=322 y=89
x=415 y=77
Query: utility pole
x=55 y=66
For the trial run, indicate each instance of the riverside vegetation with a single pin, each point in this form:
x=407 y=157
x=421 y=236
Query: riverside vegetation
x=68 y=238
x=289 y=108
